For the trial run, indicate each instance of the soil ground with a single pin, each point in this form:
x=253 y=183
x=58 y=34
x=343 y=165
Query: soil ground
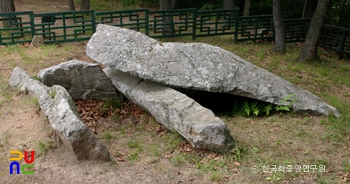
x=144 y=152
x=23 y=126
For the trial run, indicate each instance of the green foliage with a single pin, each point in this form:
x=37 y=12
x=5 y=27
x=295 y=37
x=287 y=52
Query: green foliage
x=211 y=6
x=145 y=3
x=133 y=157
x=133 y=144
x=267 y=109
x=111 y=103
x=178 y=160
x=246 y=108
x=203 y=5
x=282 y=108
x=274 y=178
x=238 y=151
x=216 y=176
x=290 y=9
x=53 y=93
x=137 y=149
x=43 y=148
x=107 y=135
x=339 y=13
x=258 y=108
x=287 y=103
x=289 y=100
x=346 y=166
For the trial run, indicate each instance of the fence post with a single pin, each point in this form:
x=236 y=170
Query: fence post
x=93 y=21
x=194 y=25
x=236 y=29
x=341 y=53
x=32 y=27
x=147 y=21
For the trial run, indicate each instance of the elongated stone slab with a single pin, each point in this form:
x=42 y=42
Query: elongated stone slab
x=196 y=66
x=175 y=111
x=60 y=110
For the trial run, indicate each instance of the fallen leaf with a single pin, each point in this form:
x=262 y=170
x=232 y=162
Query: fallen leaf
x=236 y=164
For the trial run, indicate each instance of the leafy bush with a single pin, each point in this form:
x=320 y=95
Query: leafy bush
x=145 y=3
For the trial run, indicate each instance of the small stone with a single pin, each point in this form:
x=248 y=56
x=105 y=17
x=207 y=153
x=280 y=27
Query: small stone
x=37 y=40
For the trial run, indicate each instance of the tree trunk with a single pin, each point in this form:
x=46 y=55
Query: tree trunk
x=280 y=39
x=168 y=19
x=246 y=8
x=309 y=8
x=229 y=4
x=71 y=5
x=85 y=5
x=309 y=48
x=5 y=7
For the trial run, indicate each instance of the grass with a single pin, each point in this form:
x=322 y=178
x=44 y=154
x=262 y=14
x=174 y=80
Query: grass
x=33 y=101
x=53 y=93
x=108 y=135
x=43 y=148
x=111 y=103
x=274 y=139
x=7 y=137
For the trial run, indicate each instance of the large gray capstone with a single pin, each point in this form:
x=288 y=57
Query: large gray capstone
x=195 y=66
x=60 y=110
x=175 y=111
x=82 y=80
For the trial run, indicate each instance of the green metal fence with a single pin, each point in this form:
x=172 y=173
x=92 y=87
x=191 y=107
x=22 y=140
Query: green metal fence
x=172 y=23
x=296 y=29
x=133 y=19
x=336 y=39
x=254 y=28
x=262 y=28
x=80 y=25
x=16 y=27
x=216 y=22
x=65 y=26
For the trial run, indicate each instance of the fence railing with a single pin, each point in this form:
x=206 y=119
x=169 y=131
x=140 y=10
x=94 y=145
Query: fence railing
x=296 y=29
x=80 y=25
x=336 y=39
x=133 y=19
x=65 y=26
x=16 y=27
x=20 y=27
x=255 y=28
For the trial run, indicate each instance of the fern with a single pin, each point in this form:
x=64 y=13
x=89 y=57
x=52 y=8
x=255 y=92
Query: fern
x=246 y=108
x=287 y=103
x=282 y=108
x=267 y=109
x=289 y=100
x=255 y=108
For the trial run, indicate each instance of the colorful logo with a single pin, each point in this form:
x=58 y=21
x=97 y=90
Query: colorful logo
x=27 y=168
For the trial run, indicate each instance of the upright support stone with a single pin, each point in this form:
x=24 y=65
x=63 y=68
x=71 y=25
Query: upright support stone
x=175 y=111
x=82 y=80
